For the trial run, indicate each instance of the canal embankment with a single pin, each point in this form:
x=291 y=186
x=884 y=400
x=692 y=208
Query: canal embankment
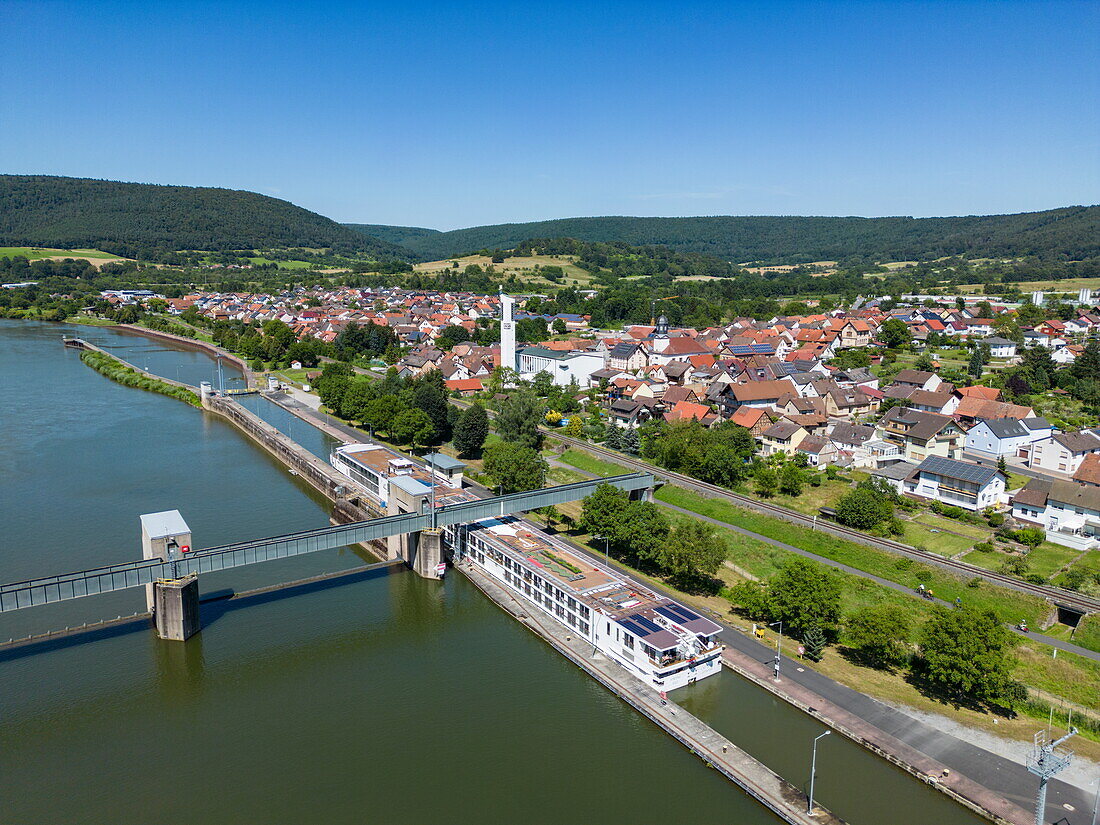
x=125 y=373
x=752 y=776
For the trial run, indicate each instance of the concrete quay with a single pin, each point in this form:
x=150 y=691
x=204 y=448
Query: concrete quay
x=757 y=780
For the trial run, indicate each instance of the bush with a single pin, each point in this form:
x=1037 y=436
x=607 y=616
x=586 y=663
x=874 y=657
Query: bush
x=975 y=582
x=924 y=575
x=1035 y=578
x=996 y=519
x=984 y=547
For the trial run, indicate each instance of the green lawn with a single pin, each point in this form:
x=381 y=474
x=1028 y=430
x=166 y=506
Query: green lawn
x=89 y=321
x=936 y=522
x=590 y=464
x=560 y=475
x=812 y=499
x=1049 y=557
x=934 y=539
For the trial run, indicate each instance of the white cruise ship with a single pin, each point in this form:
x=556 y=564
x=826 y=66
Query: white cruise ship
x=653 y=637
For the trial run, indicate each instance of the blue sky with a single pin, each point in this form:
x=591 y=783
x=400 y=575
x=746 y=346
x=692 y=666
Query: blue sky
x=450 y=115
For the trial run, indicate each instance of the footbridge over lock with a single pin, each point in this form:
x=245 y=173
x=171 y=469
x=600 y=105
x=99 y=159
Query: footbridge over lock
x=170 y=568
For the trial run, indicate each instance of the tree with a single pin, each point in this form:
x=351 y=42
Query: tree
x=413 y=427
x=965 y=655
x=694 y=552
x=519 y=419
x=575 y=427
x=630 y=442
x=864 y=509
x=814 y=641
x=976 y=364
x=471 y=430
x=542 y=384
x=894 y=333
x=790 y=480
x=634 y=527
x=559 y=326
x=430 y=396
x=804 y=595
x=767 y=483
x=514 y=467
x=1002 y=466
x=1031 y=536
x=880 y=634
x=612 y=438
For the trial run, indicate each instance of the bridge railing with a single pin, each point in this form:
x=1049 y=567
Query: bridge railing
x=47 y=590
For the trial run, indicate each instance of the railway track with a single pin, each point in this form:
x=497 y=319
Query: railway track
x=1061 y=597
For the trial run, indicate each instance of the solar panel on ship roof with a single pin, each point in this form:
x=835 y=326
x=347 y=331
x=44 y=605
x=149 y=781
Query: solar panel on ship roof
x=633 y=627
x=648 y=624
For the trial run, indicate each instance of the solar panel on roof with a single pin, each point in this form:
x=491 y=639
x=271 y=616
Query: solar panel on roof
x=649 y=625
x=677 y=613
x=633 y=627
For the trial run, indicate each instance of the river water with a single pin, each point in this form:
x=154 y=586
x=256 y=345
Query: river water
x=379 y=699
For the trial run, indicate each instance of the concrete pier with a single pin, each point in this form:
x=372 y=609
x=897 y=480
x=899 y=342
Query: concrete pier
x=428 y=553
x=176 y=608
x=162 y=534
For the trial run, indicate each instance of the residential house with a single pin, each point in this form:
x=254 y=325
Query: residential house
x=818 y=449
x=918 y=379
x=627 y=356
x=1006 y=436
x=1069 y=512
x=972 y=409
x=919 y=435
x=1000 y=347
x=1064 y=452
x=957 y=483
x=782 y=437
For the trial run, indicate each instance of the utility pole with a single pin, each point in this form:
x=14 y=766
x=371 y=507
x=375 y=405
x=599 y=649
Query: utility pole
x=1046 y=760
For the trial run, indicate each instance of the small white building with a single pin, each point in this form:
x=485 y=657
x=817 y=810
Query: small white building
x=957 y=483
x=1000 y=347
x=1006 y=436
x=1064 y=452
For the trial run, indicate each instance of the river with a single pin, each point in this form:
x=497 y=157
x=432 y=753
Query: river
x=377 y=699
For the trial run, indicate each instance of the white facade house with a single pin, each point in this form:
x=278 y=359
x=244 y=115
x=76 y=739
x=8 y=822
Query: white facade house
x=957 y=483
x=1006 y=436
x=566 y=367
x=1067 y=511
x=1000 y=347
x=1064 y=452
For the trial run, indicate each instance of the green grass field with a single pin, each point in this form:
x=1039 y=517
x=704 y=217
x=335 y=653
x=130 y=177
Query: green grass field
x=35 y=253
x=282 y=264
x=590 y=464
x=934 y=539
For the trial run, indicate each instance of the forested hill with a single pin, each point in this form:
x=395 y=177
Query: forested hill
x=144 y=220
x=1069 y=233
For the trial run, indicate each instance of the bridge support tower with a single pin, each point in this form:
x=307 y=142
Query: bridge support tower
x=174 y=603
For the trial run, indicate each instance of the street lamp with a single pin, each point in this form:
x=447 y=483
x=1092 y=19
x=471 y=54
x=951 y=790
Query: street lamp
x=606 y=542
x=778 y=648
x=813 y=773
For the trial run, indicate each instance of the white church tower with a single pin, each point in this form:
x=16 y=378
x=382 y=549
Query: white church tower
x=507 y=332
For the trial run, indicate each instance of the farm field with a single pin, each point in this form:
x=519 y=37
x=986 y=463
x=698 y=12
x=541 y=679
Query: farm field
x=37 y=253
x=515 y=266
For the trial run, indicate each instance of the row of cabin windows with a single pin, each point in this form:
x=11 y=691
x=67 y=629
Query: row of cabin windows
x=548 y=602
